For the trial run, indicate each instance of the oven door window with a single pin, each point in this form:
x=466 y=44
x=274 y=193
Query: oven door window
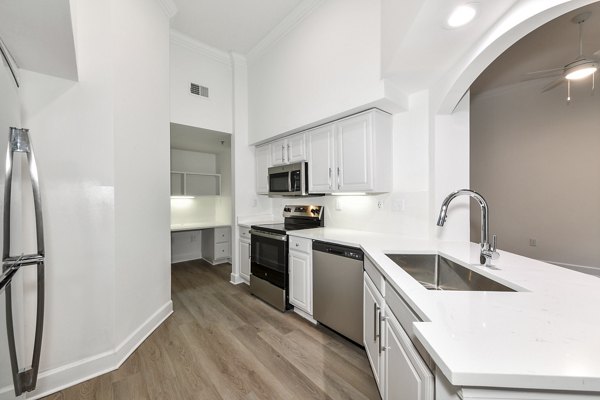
x=279 y=182
x=269 y=253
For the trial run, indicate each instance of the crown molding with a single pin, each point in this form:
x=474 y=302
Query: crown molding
x=200 y=48
x=298 y=14
x=168 y=7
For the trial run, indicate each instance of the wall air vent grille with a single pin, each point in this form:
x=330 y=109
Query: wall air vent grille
x=198 y=90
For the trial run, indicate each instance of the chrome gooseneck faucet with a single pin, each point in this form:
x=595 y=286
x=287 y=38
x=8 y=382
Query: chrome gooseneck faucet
x=488 y=251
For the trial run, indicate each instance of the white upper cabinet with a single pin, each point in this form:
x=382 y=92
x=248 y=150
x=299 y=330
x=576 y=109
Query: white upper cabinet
x=354 y=138
x=296 y=148
x=278 y=150
x=288 y=150
x=263 y=162
x=353 y=154
x=321 y=163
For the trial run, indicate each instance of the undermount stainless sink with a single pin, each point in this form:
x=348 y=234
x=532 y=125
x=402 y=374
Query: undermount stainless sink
x=435 y=272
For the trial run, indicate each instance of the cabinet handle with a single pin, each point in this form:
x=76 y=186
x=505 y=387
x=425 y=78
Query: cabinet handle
x=282 y=155
x=381 y=346
x=338 y=178
x=288 y=146
x=375 y=318
x=329 y=177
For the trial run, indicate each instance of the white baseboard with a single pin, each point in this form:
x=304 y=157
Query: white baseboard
x=59 y=378
x=305 y=315
x=236 y=279
x=185 y=257
x=217 y=262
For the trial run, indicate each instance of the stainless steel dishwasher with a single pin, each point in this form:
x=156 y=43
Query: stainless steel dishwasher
x=338 y=288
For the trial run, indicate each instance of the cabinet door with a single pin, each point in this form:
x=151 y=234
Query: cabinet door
x=177 y=185
x=372 y=302
x=296 y=148
x=279 y=152
x=245 y=260
x=300 y=276
x=320 y=159
x=263 y=162
x=406 y=375
x=354 y=138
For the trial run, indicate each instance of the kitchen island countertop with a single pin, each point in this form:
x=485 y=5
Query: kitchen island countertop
x=544 y=336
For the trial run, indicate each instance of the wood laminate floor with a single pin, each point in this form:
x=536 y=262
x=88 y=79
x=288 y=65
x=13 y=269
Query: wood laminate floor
x=223 y=343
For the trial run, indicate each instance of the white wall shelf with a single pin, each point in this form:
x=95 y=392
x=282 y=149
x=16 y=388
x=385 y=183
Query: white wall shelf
x=195 y=184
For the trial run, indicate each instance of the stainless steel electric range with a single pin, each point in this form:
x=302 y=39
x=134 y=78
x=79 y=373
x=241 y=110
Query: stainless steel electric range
x=269 y=253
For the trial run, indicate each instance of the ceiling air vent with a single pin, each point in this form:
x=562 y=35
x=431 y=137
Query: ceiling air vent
x=198 y=90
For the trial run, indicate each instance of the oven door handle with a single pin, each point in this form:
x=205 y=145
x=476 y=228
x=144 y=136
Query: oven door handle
x=275 y=236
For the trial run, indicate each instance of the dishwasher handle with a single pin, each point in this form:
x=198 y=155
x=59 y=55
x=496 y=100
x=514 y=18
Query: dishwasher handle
x=338 y=250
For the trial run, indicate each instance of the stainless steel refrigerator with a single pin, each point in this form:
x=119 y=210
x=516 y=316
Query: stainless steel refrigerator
x=22 y=239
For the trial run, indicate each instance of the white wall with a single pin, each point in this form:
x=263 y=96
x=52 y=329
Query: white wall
x=245 y=200
x=105 y=190
x=142 y=188
x=327 y=65
x=193 y=161
x=451 y=171
x=194 y=62
x=223 y=207
x=535 y=158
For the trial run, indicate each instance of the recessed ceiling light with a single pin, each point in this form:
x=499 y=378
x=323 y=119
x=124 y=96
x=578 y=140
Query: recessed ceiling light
x=461 y=15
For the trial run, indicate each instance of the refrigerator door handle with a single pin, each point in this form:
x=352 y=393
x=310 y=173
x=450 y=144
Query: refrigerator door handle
x=24 y=379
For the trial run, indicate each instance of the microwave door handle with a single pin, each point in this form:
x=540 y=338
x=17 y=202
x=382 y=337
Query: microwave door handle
x=289 y=181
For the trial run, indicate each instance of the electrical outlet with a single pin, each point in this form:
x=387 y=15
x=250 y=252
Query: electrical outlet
x=380 y=204
x=398 y=205
x=532 y=242
x=338 y=204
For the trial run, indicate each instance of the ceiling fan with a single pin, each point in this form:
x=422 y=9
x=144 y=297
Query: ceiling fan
x=582 y=67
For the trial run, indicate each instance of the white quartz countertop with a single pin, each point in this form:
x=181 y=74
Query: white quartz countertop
x=194 y=226
x=260 y=219
x=544 y=336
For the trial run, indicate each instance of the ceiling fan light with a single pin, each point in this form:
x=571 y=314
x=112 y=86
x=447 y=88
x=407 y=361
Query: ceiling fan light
x=461 y=15
x=580 y=72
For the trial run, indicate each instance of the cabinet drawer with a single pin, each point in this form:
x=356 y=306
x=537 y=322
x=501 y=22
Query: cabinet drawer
x=375 y=275
x=244 y=232
x=406 y=316
x=300 y=244
x=222 y=235
x=222 y=250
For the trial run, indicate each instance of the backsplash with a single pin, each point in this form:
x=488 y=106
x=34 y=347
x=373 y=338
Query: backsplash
x=200 y=209
x=403 y=213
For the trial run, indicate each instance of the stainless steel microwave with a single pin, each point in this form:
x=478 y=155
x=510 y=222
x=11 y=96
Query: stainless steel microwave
x=289 y=180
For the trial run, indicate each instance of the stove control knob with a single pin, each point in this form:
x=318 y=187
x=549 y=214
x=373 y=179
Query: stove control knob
x=287 y=209
x=314 y=211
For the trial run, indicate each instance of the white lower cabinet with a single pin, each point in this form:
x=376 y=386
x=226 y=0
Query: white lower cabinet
x=244 y=252
x=372 y=308
x=405 y=374
x=300 y=274
x=399 y=370
x=216 y=245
